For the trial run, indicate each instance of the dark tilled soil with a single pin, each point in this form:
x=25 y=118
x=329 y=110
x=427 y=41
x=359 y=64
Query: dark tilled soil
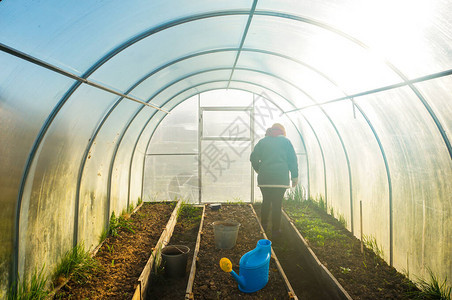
x=122 y=258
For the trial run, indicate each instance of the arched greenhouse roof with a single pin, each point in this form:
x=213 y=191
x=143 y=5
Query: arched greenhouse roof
x=364 y=86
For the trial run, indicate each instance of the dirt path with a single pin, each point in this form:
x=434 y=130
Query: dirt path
x=210 y=281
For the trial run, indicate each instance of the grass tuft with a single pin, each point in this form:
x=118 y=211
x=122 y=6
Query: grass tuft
x=189 y=212
x=33 y=289
x=296 y=194
x=371 y=243
x=433 y=289
x=77 y=264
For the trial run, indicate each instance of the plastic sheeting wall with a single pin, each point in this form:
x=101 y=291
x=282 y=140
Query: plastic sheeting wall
x=367 y=84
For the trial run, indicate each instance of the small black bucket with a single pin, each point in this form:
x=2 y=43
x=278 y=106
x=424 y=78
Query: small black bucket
x=174 y=260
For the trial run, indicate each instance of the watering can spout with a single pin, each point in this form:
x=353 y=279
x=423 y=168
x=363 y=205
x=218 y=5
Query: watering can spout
x=240 y=279
x=254 y=267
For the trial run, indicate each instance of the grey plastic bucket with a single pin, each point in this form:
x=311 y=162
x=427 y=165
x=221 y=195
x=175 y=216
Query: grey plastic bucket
x=174 y=260
x=225 y=233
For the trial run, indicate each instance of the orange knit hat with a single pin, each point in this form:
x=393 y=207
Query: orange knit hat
x=278 y=129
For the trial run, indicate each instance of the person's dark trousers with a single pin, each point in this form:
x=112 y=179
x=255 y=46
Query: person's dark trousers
x=272 y=198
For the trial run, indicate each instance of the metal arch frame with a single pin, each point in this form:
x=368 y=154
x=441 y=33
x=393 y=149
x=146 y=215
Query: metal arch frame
x=198 y=93
x=180 y=92
x=312 y=99
x=363 y=45
x=388 y=177
x=133 y=87
x=135 y=39
x=323 y=75
x=242 y=41
x=343 y=145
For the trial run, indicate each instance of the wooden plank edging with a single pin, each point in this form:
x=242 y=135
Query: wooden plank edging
x=191 y=278
x=323 y=274
x=155 y=258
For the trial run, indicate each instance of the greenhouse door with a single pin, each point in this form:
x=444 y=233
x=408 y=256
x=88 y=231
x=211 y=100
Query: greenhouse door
x=224 y=150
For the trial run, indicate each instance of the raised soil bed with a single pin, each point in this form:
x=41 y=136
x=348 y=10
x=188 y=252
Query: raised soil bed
x=123 y=257
x=362 y=275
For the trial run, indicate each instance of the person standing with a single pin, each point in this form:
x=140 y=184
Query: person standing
x=274 y=160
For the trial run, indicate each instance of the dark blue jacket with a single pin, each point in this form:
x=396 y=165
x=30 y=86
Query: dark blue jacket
x=273 y=158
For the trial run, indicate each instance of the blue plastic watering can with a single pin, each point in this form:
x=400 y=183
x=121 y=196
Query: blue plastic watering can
x=254 y=267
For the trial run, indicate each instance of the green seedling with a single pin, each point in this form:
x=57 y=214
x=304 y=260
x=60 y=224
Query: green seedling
x=111 y=249
x=119 y=223
x=345 y=270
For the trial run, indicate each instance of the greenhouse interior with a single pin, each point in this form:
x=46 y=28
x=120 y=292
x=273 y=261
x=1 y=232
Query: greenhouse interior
x=105 y=104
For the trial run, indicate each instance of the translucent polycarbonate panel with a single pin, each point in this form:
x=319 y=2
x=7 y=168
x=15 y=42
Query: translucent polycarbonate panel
x=212 y=79
x=95 y=204
x=169 y=45
x=316 y=185
x=120 y=177
x=178 y=132
x=265 y=115
x=312 y=81
x=261 y=91
x=47 y=216
x=25 y=103
x=347 y=63
x=420 y=169
x=293 y=94
x=337 y=169
x=136 y=176
x=178 y=71
x=229 y=97
x=169 y=177
x=226 y=171
x=368 y=173
x=418 y=31
x=226 y=124
x=303 y=174
x=140 y=123
x=74 y=35
x=437 y=93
